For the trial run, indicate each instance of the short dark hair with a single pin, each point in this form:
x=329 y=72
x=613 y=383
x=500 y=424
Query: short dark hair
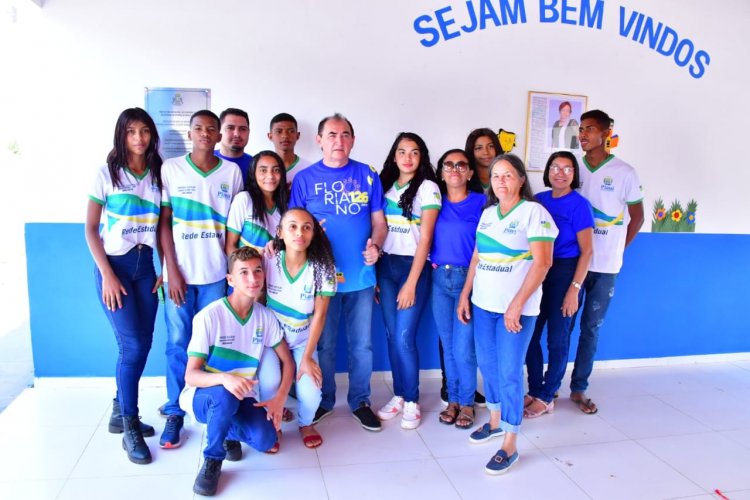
x=242 y=254
x=520 y=169
x=335 y=117
x=207 y=113
x=563 y=154
x=283 y=117
x=600 y=117
x=563 y=104
x=235 y=112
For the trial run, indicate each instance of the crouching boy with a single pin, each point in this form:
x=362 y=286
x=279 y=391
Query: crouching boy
x=229 y=336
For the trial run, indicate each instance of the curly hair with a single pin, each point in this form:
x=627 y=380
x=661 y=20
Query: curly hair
x=389 y=174
x=319 y=253
x=256 y=195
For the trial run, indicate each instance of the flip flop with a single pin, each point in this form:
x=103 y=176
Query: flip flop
x=585 y=405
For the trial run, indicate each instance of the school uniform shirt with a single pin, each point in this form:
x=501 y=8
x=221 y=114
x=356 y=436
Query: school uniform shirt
x=230 y=344
x=403 y=234
x=292 y=298
x=253 y=232
x=610 y=188
x=296 y=167
x=345 y=197
x=504 y=247
x=200 y=204
x=130 y=212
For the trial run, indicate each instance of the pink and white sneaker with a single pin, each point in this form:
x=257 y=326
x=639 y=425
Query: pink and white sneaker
x=412 y=416
x=391 y=408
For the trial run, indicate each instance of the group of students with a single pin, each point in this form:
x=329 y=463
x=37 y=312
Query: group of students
x=497 y=263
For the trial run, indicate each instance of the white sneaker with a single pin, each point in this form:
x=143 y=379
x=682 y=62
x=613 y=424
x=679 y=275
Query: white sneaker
x=412 y=416
x=391 y=408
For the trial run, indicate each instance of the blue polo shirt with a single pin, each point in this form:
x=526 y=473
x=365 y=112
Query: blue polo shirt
x=243 y=162
x=571 y=214
x=456 y=230
x=345 y=197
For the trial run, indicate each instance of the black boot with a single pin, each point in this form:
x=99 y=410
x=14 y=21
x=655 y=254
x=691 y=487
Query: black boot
x=115 y=422
x=207 y=481
x=133 y=443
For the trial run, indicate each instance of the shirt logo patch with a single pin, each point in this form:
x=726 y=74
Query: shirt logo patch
x=224 y=193
x=511 y=229
x=340 y=277
x=258 y=335
x=608 y=184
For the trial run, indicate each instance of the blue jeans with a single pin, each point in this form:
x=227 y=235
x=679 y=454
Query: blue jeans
x=179 y=331
x=501 y=356
x=457 y=339
x=555 y=286
x=357 y=310
x=401 y=325
x=229 y=418
x=596 y=293
x=134 y=323
x=307 y=393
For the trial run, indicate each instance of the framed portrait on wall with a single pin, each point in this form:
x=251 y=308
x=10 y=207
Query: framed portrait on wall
x=552 y=122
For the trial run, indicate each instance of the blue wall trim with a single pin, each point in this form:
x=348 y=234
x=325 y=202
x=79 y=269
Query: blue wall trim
x=678 y=294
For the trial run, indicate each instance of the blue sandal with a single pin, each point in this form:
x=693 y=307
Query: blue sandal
x=484 y=433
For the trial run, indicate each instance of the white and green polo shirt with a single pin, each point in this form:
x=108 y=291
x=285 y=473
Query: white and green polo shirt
x=200 y=204
x=403 y=234
x=504 y=247
x=130 y=212
x=292 y=298
x=252 y=232
x=610 y=188
x=231 y=344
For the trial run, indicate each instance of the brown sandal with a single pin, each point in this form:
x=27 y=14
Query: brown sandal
x=584 y=403
x=465 y=418
x=448 y=416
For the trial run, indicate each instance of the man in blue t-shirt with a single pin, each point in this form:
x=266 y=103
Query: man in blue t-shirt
x=235 y=132
x=348 y=196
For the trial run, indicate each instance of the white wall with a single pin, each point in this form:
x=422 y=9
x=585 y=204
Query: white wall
x=74 y=65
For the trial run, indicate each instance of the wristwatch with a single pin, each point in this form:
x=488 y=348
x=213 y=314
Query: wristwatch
x=576 y=285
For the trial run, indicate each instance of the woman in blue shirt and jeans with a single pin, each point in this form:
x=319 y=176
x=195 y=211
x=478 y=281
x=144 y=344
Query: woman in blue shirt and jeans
x=452 y=248
x=572 y=252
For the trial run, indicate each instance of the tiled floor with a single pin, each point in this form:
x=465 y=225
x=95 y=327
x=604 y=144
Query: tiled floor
x=663 y=433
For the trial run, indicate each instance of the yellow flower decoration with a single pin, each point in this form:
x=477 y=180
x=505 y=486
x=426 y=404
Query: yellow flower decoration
x=677 y=216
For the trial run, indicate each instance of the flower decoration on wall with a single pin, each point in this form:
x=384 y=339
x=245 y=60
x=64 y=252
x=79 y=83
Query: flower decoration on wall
x=674 y=219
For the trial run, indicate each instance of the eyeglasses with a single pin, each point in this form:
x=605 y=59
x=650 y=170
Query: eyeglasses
x=556 y=169
x=458 y=166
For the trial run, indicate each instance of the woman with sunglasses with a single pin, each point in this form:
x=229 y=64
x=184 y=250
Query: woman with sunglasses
x=571 y=258
x=452 y=248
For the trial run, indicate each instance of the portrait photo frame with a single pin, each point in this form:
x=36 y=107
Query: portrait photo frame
x=552 y=122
